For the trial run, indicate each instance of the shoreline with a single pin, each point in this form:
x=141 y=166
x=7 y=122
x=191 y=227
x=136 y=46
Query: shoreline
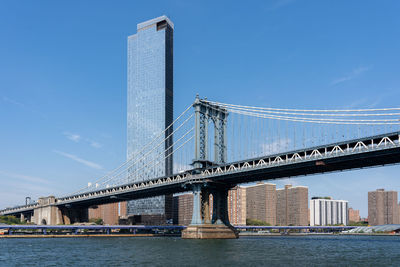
x=318 y=234
x=177 y=235
x=84 y=235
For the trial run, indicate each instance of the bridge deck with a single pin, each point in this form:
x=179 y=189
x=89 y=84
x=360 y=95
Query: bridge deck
x=358 y=153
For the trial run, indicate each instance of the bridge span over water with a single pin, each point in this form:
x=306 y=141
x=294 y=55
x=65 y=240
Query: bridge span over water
x=217 y=175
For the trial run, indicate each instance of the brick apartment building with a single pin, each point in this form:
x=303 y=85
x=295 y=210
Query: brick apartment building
x=261 y=202
x=383 y=207
x=109 y=213
x=292 y=205
x=183 y=209
x=354 y=215
x=237 y=205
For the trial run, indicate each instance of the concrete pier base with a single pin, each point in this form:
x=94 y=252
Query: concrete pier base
x=209 y=231
x=202 y=225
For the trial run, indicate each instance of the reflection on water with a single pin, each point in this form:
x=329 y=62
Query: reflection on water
x=169 y=251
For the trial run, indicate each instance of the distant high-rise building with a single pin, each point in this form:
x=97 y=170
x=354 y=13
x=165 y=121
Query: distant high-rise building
x=261 y=202
x=354 y=215
x=383 y=207
x=150 y=107
x=292 y=205
x=326 y=211
x=237 y=205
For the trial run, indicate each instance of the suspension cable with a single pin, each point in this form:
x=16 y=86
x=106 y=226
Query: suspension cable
x=311 y=120
x=121 y=172
x=304 y=110
x=255 y=109
x=140 y=151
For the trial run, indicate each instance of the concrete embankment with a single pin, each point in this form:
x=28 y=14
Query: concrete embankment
x=316 y=234
x=83 y=235
x=280 y=234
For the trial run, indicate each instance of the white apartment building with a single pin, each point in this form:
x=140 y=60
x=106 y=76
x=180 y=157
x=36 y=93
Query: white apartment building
x=326 y=211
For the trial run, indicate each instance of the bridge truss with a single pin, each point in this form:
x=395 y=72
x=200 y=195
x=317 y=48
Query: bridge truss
x=357 y=153
x=255 y=143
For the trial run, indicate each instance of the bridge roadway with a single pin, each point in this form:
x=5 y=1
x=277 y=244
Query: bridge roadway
x=358 y=153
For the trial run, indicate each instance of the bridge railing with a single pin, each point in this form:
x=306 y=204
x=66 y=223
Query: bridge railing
x=19 y=209
x=356 y=146
x=332 y=150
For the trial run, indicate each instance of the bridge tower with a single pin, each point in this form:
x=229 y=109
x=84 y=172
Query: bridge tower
x=205 y=112
x=203 y=225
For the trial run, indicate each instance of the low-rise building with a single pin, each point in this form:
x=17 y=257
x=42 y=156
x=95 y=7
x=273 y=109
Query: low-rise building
x=354 y=215
x=109 y=213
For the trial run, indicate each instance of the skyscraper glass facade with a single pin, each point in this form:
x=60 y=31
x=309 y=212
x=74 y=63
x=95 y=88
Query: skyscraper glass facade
x=150 y=103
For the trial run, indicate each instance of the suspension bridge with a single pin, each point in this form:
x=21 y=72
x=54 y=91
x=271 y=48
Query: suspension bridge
x=220 y=145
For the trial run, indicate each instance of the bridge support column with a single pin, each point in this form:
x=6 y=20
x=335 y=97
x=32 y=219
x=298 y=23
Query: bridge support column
x=205 y=206
x=202 y=227
x=71 y=215
x=220 y=207
x=196 y=216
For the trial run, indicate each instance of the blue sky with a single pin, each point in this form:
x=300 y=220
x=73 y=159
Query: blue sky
x=63 y=78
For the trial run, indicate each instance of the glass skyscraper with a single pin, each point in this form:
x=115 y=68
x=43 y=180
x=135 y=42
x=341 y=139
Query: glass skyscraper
x=150 y=107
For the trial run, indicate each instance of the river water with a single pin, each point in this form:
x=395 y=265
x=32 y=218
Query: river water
x=174 y=251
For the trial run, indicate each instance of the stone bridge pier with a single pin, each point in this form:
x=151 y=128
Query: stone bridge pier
x=48 y=213
x=204 y=226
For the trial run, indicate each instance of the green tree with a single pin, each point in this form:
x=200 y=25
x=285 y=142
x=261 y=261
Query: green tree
x=98 y=221
x=254 y=222
x=10 y=220
x=361 y=223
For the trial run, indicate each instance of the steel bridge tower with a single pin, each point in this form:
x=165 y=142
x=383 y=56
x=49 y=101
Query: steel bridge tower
x=202 y=224
x=204 y=113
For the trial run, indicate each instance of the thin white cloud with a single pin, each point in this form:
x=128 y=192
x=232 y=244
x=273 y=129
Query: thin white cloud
x=23 y=106
x=94 y=144
x=354 y=73
x=181 y=167
x=12 y=101
x=365 y=102
x=24 y=177
x=13 y=193
x=77 y=138
x=360 y=102
x=78 y=159
x=73 y=137
x=29 y=189
x=16 y=186
x=276 y=146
